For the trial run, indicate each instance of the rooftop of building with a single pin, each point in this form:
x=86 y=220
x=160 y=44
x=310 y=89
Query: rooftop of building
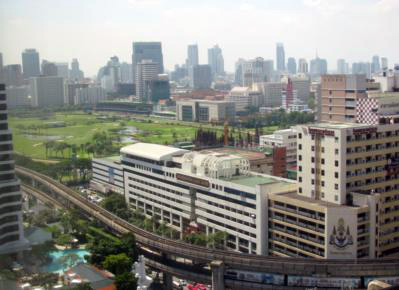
x=152 y=151
x=116 y=159
x=240 y=89
x=310 y=201
x=338 y=125
x=248 y=154
x=252 y=180
x=383 y=95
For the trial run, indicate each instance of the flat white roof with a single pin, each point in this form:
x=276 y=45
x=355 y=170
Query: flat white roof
x=152 y=151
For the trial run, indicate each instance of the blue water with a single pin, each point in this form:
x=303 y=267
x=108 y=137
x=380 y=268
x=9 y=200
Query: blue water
x=56 y=267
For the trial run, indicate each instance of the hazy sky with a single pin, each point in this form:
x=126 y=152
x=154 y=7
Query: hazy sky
x=94 y=30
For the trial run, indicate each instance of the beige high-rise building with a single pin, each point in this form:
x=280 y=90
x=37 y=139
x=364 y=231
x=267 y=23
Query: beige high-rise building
x=339 y=94
x=354 y=166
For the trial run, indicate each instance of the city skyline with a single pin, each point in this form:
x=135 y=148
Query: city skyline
x=283 y=21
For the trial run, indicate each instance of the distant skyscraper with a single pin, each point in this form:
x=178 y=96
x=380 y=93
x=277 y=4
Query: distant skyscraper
x=341 y=66
x=216 y=61
x=75 y=72
x=48 y=68
x=192 y=55
x=30 y=63
x=318 y=66
x=147 y=51
x=201 y=77
x=362 y=68
x=303 y=66
x=280 y=57
x=62 y=69
x=238 y=71
x=384 y=63
x=147 y=71
x=375 y=66
x=256 y=71
x=12 y=231
x=291 y=65
x=126 y=73
x=12 y=75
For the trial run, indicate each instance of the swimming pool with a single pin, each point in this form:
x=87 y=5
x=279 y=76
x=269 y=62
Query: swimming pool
x=57 y=267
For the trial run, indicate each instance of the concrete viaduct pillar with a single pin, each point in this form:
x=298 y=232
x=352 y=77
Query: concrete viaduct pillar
x=167 y=279
x=217 y=268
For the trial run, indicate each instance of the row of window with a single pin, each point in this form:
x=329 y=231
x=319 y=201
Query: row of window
x=8 y=219
x=230 y=218
x=241 y=231
x=9 y=239
x=224 y=206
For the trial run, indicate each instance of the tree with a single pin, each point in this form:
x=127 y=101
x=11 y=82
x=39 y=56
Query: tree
x=128 y=246
x=125 y=281
x=64 y=240
x=117 y=264
x=84 y=286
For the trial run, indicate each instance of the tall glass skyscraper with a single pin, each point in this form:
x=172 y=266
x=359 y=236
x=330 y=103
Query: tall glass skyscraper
x=30 y=63
x=280 y=57
x=147 y=51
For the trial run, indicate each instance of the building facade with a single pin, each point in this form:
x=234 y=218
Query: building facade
x=200 y=77
x=11 y=227
x=282 y=138
x=339 y=94
x=147 y=71
x=47 y=91
x=107 y=175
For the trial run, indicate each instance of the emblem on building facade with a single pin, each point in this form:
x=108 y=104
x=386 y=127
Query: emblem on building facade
x=341 y=236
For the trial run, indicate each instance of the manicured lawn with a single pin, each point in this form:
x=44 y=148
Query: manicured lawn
x=81 y=131
x=81 y=127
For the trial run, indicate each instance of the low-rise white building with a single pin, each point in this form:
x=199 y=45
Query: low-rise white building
x=205 y=111
x=215 y=191
x=282 y=138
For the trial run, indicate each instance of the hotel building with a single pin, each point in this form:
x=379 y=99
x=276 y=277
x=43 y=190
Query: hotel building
x=11 y=228
x=351 y=170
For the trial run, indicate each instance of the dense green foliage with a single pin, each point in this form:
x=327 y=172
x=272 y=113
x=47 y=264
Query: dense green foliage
x=278 y=118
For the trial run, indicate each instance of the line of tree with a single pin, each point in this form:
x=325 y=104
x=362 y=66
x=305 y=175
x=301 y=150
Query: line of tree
x=279 y=118
x=72 y=171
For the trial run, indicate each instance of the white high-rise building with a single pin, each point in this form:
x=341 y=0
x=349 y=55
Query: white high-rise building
x=303 y=66
x=11 y=228
x=147 y=71
x=126 y=73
